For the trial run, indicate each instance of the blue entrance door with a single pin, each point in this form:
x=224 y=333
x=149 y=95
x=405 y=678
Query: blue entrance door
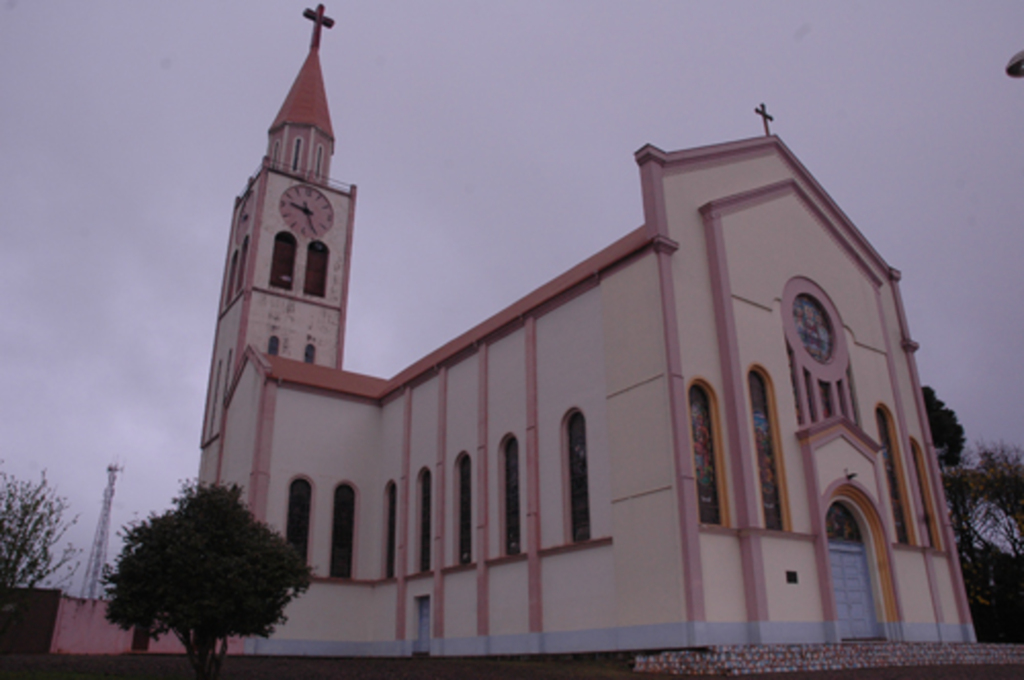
x=852 y=585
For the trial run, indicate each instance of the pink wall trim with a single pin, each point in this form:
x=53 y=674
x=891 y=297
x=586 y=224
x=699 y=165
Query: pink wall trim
x=533 y=481
x=442 y=514
x=681 y=161
x=401 y=558
x=483 y=503
x=688 y=515
x=770 y=192
x=682 y=458
x=821 y=555
x=346 y=273
x=259 y=479
x=930 y=461
x=734 y=407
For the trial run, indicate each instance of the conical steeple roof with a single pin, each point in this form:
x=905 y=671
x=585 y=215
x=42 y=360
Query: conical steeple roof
x=306 y=103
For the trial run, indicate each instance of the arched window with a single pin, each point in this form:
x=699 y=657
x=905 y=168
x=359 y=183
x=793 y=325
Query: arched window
x=241 y=265
x=310 y=355
x=579 y=499
x=316 y=269
x=764 y=440
x=926 y=495
x=282 y=266
x=343 y=530
x=465 y=509
x=319 y=158
x=511 y=492
x=425 y=520
x=231 y=276
x=277 y=151
x=300 y=496
x=273 y=346
x=296 y=154
x=704 y=462
x=889 y=454
x=841 y=525
x=391 y=498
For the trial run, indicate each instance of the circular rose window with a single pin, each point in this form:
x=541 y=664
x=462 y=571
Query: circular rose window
x=813 y=326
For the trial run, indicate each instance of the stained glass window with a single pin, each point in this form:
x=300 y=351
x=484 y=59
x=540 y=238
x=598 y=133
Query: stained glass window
x=511 y=497
x=766 y=464
x=342 y=531
x=465 y=510
x=389 y=556
x=890 y=469
x=796 y=391
x=579 y=499
x=813 y=326
x=841 y=525
x=825 y=389
x=704 y=456
x=300 y=495
x=425 y=520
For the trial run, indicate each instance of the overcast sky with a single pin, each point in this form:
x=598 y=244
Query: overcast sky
x=492 y=145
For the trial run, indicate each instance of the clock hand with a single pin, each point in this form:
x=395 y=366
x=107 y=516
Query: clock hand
x=304 y=209
x=310 y=220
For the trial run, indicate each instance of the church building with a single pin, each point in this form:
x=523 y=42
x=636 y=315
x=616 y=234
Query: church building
x=709 y=432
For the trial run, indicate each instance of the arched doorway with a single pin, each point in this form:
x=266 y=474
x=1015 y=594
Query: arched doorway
x=851 y=580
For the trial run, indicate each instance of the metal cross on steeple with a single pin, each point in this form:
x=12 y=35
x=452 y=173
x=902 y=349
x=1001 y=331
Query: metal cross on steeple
x=319 y=20
x=762 y=111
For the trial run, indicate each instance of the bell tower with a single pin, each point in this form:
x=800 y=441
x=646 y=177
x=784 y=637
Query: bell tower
x=286 y=271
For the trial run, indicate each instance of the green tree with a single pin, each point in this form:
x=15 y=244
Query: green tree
x=947 y=432
x=985 y=492
x=33 y=520
x=204 y=571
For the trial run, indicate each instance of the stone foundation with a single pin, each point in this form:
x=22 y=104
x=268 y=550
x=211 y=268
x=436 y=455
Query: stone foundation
x=750 y=659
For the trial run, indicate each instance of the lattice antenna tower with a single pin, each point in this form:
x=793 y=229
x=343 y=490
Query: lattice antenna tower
x=98 y=554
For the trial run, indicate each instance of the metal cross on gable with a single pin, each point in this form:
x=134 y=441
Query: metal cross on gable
x=761 y=111
x=319 y=21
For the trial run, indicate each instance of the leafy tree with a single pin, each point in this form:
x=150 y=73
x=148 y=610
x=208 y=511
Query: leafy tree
x=947 y=432
x=205 y=571
x=32 y=522
x=985 y=492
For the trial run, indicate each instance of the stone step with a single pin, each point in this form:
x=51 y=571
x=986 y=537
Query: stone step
x=751 y=659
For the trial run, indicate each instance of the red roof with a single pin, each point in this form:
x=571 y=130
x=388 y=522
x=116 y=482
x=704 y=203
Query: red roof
x=306 y=103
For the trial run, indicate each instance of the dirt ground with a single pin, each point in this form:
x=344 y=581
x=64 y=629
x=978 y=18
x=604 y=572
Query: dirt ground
x=305 y=668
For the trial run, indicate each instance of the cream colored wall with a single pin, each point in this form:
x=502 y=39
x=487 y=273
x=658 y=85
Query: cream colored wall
x=570 y=356
x=381 y=616
x=224 y=344
x=648 y=573
x=460 y=604
x=645 y=525
x=461 y=435
x=330 y=611
x=577 y=586
x=329 y=441
x=509 y=603
x=838 y=458
x=295 y=325
x=912 y=576
x=800 y=601
x=944 y=583
x=240 y=429
x=423 y=454
x=506 y=414
x=723 y=577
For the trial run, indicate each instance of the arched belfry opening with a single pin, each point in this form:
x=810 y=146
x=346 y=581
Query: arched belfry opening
x=851 y=575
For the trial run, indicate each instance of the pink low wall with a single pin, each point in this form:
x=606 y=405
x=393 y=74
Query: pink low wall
x=82 y=628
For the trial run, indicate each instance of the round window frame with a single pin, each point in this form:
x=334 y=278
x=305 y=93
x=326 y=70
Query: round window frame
x=835 y=368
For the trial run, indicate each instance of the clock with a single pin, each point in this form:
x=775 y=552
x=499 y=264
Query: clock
x=244 y=218
x=306 y=211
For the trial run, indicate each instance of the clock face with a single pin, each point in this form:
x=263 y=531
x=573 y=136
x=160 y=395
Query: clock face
x=306 y=211
x=244 y=219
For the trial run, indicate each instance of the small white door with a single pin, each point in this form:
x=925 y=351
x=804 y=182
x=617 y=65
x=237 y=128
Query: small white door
x=852 y=585
x=422 y=642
